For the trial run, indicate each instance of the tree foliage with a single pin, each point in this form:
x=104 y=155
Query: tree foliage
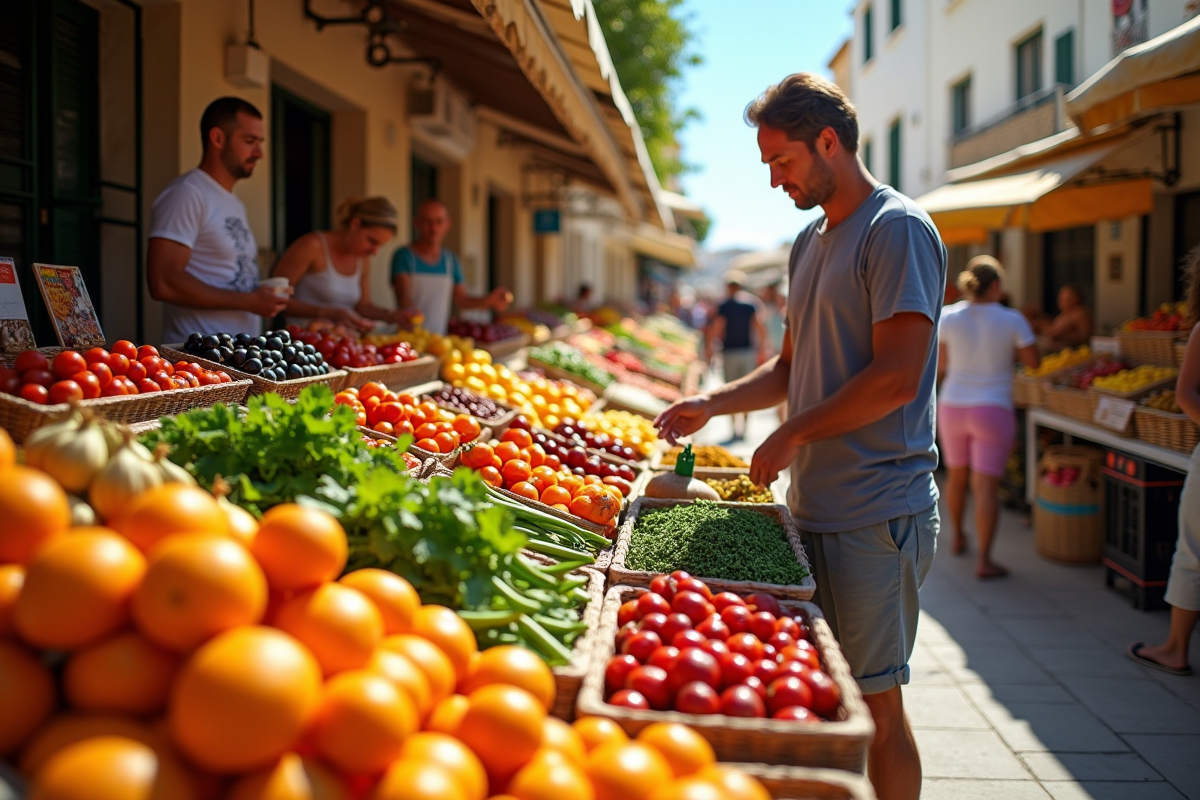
x=649 y=43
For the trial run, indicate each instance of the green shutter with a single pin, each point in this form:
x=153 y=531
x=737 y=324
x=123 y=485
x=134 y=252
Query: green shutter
x=897 y=19
x=894 y=155
x=1064 y=59
x=868 y=35
x=867 y=146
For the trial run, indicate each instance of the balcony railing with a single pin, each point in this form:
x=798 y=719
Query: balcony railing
x=1035 y=117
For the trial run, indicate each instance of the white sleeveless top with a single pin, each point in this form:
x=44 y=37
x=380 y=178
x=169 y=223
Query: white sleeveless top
x=328 y=287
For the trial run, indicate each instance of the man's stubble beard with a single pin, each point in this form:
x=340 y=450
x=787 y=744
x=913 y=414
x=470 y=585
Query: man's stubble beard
x=822 y=184
x=238 y=169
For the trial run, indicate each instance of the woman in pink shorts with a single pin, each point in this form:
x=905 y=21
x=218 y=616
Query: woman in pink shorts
x=979 y=339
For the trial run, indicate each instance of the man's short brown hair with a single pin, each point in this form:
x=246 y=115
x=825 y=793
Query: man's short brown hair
x=802 y=105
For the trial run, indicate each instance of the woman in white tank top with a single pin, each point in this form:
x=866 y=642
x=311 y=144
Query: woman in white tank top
x=326 y=268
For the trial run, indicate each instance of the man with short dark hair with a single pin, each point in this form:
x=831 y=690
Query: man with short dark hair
x=202 y=260
x=857 y=370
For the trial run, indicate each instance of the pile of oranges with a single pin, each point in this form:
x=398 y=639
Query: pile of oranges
x=209 y=655
x=523 y=467
x=433 y=429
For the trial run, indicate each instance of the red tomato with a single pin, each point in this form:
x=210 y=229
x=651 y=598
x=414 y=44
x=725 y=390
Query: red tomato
x=693 y=664
x=653 y=622
x=190 y=379
x=675 y=623
x=96 y=355
x=766 y=670
x=688 y=638
x=762 y=625
x=617 y=671
x=137 y=372
x=208 y=378
x=742 y=701
x=796 y=668
x=713 y=628
x=65 y=392
x=790 y=627
x=714 y=647
x=697 y=698
x=747 y=644
x=692 y=605
x=788 y=691
x=130 y=386
x=628 y=612
x=163 y=380
x=737 y=618
x=41 y=377
x=663 y=657
x=127 y=349
x=780 y=640
x=735 y=668
x=118 y=363
x=67 y=363
x=651 y=683
x=663 y=586
x=826 y=694
x=697 y=586
x=796 y=714
x=807 y=656
x=641 y=645
x=113 y=388
x=757 y=685
x=651 y=602
x=725 y=599
x=629 y=699
x=10 y=382
x=763 y=602
x=31 y=360
x=35 y=393
x=152 y=364
x=146 y=351
x=145 y=385
x=679 y=575
x=625 y=631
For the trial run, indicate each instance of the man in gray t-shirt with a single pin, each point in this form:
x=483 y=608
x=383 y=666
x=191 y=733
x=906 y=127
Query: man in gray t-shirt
x=857 y=369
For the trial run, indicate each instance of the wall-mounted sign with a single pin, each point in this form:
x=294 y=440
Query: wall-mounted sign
x=547 y=220
x=70 y=307
x=15 y=333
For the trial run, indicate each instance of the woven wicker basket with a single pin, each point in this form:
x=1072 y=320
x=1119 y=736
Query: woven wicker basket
x=288 y=390
x=837 y=744
x=20 y=417
x=568 y=680
x=1137 y=394
x=1068 y=521
x=1165 y=429
x=448 y=460
x=1070 y=402
x=619 y=573
x=505 y=348
x=394 y=376
x=808 y=783
x=1180 y=351
x=1028 y=391
x=1149 y=347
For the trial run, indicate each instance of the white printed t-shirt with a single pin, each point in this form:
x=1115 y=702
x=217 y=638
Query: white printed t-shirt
x=197 y=212
x=981 y=340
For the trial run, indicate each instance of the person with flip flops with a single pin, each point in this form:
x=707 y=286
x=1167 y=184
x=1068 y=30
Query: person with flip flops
x=1183 y=584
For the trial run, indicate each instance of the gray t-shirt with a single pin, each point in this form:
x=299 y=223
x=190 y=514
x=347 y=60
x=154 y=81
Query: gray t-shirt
x=886 y=258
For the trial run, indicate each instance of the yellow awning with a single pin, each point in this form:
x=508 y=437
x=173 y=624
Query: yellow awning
x=1038 y=197
x=1159 y=74
x=672 y=249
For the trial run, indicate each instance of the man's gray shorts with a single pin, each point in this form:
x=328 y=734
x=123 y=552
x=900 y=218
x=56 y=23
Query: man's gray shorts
x=736 y=364
x=867 y=582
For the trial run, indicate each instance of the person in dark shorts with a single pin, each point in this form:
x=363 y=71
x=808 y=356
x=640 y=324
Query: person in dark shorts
x=739 y=326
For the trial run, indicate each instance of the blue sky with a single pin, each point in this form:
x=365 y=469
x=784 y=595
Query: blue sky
x=747 y=45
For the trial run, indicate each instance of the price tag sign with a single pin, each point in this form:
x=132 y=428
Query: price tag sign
x=1114 y=413
x=1109 y=345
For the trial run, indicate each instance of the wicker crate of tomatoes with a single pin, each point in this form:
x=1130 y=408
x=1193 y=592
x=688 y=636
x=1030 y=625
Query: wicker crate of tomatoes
x=762 y=680
x=436 y=433
x=126 y=383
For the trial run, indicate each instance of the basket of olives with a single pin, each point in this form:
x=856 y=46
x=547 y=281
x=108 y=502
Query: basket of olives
x=273 y=361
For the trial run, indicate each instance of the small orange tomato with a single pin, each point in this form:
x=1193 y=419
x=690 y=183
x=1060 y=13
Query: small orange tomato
x=429 y=444
x=492 y=476
x=516 y=471
x=426 y=431
x=537 y=455
x=524 y=489
x=507 y=451
x=555 y=495
x=446 y=442
x=384 y=427
x=371 y=389
x=518 y=436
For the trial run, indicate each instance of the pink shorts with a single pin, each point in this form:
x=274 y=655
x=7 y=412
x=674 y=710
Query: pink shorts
x=980 y=437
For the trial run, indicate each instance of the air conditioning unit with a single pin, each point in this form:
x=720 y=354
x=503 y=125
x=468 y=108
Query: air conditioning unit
x=442 y=117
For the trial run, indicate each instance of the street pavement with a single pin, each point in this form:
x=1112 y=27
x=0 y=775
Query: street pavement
x=1021 y=688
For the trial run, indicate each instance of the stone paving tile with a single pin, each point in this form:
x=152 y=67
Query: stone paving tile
x=1096 y=661
x=966 y=625
x=1176 y=757
x=1048 y=632
x=990 y=663
x=1136 y=706
x=1093 y=790
x=966 y=789
x=1186 y=689
x=1056 y=727
x=1077 y=767
x=1042 y=693
x=941 y=707
x=925 y=670
x=967 y=754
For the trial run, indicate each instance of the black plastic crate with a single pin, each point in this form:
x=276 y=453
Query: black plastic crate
x=1141 y=524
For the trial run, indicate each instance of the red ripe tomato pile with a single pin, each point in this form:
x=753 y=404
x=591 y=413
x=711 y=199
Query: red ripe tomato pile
x=432 y=429
x=125 y=369
x=342 y=352
x=681 y=647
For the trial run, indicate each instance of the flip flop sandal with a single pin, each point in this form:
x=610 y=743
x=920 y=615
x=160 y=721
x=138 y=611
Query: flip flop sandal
x=1133 y=651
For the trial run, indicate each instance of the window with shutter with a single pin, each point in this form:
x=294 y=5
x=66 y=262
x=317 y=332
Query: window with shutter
x=868 y=35
x=894 y=157
x=1064 y=59
x=1029 y=65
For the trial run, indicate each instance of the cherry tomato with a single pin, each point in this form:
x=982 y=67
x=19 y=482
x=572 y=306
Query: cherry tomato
x=118 y=363
x=742 y=701
x=788 y=691
x=67 y=363
x=65 y=391
x=629 y=699
x=641 y=644
x=651 y=683
x=697 y=698
x=31 y=360
x=735 y=669
x=103 y=373
x=651 y=602
x=127 y=349
x=137 y=371
x=693 y=664
x=617 y=671
x=35 y=393
x=145 y=385
x=41 y=377
x=146 y=351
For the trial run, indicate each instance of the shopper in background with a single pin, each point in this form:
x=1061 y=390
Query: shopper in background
x=978 y=341
x=738 y=325
x=1183 y=584
x=427 y=277
x=583 y=301
x=326 y=268
x=1072 y=327
x=202 y=260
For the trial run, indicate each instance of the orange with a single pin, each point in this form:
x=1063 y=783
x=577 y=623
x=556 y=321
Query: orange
x=546 y=475
x=34 y=509
x=446 y=442
x=684 y=749
x=430 y=445
x=555 y=495
x=243 y=699
x=689 y=788
x=526 y=490
x=362 y=722
x=478 y=456
x=516 y=470
x=407 y=677
x=299 y=547
x=736 y=784
x=64 y=730
x=12 y=578
x=507 y=451
x=339 y=625
x=169 y=509
x=572 y=483
x=426 y=431
x=371 y=389
x=124 y=674
x=466 y=427
x=514 y=666
x=394 y=597
x=444 y=628
x=492 y=476
x=518 y=436
x=196 y=586
x=26 y=694
x=548 y=780
x=111 y=768
x=629 y=771
x=598 y=731
x=291 y=778
x=242 y=524
x=503 y=725
x=447 y=716
x=77 y=590
x=562 y=738
x=415 y=780
x=8 y=450
x=451 y=755
x=429 y=658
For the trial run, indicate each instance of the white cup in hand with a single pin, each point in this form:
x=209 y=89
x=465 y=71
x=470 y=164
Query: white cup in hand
x=278 y=285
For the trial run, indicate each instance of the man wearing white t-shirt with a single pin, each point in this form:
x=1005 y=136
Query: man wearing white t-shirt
x=202 y=261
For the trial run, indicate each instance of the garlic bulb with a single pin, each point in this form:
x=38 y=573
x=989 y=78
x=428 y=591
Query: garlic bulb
x=81 y=513
x=129 y=472
x=74 y=459
x=41 y=440
x=170 y=471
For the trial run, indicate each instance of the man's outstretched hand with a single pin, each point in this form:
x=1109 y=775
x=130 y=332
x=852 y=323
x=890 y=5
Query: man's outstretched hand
x=683 y=418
